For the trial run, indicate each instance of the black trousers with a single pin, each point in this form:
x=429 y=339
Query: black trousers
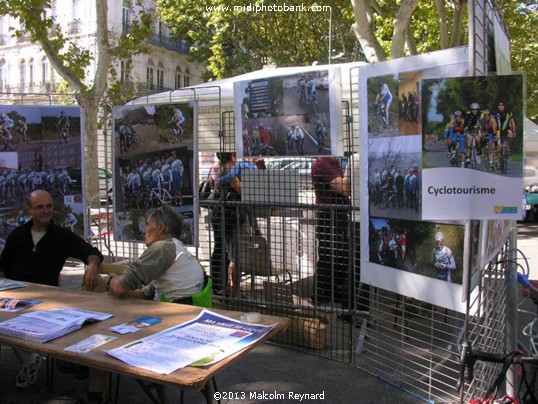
x=333 y=282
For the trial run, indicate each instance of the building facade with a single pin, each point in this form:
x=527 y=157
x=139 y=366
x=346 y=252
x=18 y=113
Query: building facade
x=24 y=68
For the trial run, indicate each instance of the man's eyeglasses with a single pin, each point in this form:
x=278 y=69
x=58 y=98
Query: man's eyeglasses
x=42 y=207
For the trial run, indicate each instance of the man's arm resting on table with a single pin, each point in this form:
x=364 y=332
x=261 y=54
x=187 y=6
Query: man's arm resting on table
x=114 y=287
x=91 y=274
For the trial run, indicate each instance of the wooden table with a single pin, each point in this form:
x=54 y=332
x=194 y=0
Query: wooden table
x=123 y=310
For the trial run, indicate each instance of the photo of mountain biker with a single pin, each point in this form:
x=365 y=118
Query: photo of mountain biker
x=506 y=125
x=310 y=91
x=301 y=89
x=488 y=128
x=63 y=125
x=384 y=96
x=22 y=128
x=472 y=128
x=178 y=119
x=6 y=123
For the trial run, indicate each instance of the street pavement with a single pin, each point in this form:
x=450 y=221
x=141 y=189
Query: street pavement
x=268 y=374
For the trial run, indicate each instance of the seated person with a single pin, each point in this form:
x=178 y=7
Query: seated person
x=36 y=252
x=166 y=271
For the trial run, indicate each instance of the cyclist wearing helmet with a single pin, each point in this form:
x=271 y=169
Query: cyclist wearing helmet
x=473 y=130
x=442 y=258
x=458 y=135
x=506 y=125
x=384 y=96
x=449 y=134
x=488 y=128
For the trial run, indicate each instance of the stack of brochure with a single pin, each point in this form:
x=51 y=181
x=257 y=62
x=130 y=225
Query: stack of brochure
x=43 y=326
x=10 y=305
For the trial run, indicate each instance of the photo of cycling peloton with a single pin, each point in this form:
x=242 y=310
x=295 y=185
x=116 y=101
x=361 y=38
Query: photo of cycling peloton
x=154 y=160
x=285 y=116
x=395 y=177
x=474 y=123
x=40 y=148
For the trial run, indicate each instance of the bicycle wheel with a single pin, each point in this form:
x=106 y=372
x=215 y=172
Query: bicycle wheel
x=473 y=157
x=376 y=126
x=384 y=201
x=504 y=162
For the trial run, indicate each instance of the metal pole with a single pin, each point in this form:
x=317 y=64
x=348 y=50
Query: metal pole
x=330 y=33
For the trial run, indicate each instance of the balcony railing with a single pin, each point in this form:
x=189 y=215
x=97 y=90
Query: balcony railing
x=177 y=45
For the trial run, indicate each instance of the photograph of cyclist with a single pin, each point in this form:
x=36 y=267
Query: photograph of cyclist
x=177 y=120
x=384 y=97
x=407 y=245
x=382 y=121
x=484 y=124
x=394 y=188
x=32 y=160
x=442 y=258
x=63 y=126
x=288 y=108
x=506 y=126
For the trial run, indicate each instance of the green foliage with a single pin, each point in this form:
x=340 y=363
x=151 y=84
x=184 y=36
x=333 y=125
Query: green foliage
x=233 y=41
x=521 y=20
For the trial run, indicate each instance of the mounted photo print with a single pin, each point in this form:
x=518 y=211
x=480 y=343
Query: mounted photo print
x=41 y=148
x=473 y=147
x=154 y=165
x=294 y=115
x=399 y=251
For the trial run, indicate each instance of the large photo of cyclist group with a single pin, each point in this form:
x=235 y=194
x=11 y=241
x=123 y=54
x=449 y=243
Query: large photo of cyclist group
x=154 y=165
x=286 y=116
x=40 y=148
x=474 y=123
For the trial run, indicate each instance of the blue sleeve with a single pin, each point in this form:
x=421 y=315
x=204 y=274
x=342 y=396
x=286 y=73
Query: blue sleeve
x=234 y=172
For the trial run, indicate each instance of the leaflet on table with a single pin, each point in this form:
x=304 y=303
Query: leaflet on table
x=208 y=338
x=135 y=325
x=11 y=305
x=43 y=326
x=6 y=284
x=90 y=343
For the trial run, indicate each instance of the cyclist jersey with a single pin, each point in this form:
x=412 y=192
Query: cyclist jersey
x=504 y=122
x=178 y=117
x=459 y=126
x=385 y=92
x=488 y=126
x=6 y=120
x=443 y=256
x=473 y=121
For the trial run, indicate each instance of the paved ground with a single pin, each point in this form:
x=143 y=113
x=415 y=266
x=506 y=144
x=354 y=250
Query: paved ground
x=266 y=371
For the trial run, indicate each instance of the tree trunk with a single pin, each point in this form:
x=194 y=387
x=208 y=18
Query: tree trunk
x=363 y=31
x=401 y=25
x=411 y=44
x=456 y=39
x=443 y=23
